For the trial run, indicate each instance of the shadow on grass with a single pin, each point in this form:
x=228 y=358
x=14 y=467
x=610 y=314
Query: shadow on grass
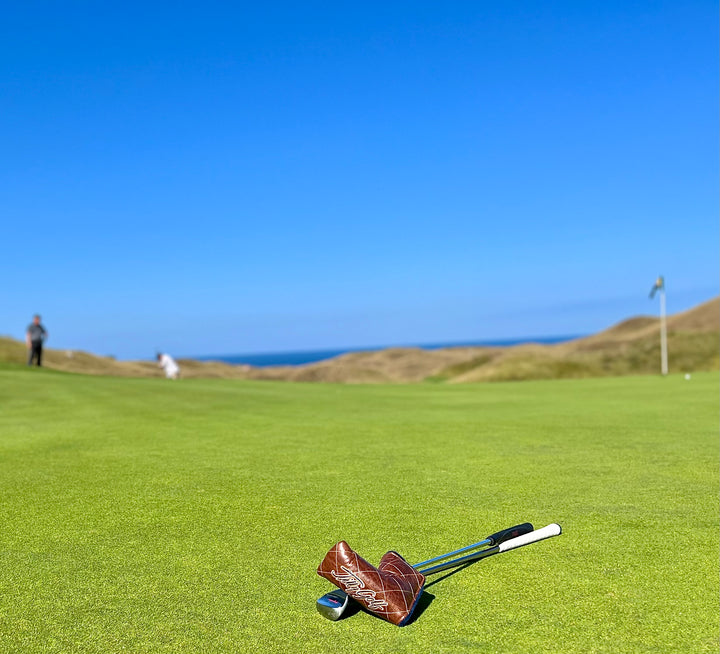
x=427 y=598
x=352 y=608
x=451 y=573
x=423 y=603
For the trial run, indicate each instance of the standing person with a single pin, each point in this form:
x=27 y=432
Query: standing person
x=172 y=370
x=35 y=335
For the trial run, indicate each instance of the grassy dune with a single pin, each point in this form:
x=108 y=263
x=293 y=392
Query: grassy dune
x=146 y=516
x=629 y=348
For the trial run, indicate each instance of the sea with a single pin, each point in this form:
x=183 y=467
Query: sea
x=298 y=358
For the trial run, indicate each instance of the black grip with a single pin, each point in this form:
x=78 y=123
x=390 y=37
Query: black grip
x=511 y=532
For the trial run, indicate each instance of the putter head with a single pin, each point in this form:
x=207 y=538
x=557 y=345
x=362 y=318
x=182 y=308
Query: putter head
x=332 y=605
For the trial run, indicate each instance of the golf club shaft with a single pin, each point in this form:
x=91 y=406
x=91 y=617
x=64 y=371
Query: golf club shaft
x=494 y=539
x=532 y=537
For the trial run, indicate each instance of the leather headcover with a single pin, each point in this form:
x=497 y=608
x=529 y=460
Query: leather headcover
x=390 y=591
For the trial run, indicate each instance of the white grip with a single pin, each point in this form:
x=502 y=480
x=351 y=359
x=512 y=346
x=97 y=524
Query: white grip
x=532 y=537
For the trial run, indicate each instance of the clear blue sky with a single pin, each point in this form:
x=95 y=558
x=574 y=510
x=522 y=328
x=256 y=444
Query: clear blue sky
x=232 y=177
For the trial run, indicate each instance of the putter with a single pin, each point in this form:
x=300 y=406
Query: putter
x=333 y=605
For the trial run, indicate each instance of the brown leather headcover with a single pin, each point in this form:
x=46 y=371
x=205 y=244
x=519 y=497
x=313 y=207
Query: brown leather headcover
x=390 y=591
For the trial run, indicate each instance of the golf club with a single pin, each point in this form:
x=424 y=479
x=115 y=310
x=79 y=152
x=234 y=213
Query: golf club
x=511 y=544
x=493 y=539
x=333 y=605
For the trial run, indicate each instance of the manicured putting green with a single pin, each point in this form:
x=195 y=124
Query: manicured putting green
x=152 y=516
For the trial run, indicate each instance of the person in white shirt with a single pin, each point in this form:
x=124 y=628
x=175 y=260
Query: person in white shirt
x=167 y=363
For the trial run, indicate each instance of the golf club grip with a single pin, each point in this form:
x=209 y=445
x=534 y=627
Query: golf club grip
x=533 y=537
x=512 y=532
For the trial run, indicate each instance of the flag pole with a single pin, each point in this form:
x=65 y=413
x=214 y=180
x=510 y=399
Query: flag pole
x=659 y=285
x=663 y=333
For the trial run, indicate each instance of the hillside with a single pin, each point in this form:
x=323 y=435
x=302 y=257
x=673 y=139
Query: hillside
x=630 y=347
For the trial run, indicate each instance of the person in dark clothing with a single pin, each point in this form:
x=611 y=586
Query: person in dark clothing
x=34 y=337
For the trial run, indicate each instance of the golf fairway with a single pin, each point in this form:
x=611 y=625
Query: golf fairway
x=140 y=515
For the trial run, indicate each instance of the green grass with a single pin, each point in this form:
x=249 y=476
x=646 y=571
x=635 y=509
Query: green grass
x=140 y=515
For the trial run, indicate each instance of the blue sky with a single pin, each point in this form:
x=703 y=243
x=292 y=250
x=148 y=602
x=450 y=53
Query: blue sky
x=212 y=177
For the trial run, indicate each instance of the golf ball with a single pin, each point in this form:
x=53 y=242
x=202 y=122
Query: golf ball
x=687 y=376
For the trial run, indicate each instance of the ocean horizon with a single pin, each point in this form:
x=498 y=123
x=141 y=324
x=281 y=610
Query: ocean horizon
x=302 y=357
